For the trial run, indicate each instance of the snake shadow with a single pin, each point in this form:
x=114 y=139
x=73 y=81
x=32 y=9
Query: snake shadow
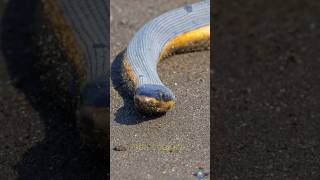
x=60 y=155
x=127 y=114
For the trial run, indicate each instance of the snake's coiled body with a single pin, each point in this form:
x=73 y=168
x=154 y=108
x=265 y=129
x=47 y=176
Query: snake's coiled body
x=180 y=30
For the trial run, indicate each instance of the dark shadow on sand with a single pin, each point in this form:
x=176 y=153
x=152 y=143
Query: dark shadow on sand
x=60 y=155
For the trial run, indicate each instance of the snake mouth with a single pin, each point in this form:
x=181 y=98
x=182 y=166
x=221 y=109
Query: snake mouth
x=149 y=105
x=154 y=99
x=93 y=124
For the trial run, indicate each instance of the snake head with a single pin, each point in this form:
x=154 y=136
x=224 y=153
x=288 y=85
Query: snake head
x=153 y=99
x=93 y=113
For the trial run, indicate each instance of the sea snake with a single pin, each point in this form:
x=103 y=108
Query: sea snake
x=183 y=29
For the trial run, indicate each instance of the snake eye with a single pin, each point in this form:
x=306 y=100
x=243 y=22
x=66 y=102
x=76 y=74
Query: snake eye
x=160 y=95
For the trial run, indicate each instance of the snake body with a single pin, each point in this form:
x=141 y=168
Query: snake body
x=183 y=29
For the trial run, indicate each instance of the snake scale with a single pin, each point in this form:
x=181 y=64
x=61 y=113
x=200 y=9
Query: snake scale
x=184 y=29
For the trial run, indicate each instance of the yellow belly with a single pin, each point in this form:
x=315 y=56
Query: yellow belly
x=198 y=39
